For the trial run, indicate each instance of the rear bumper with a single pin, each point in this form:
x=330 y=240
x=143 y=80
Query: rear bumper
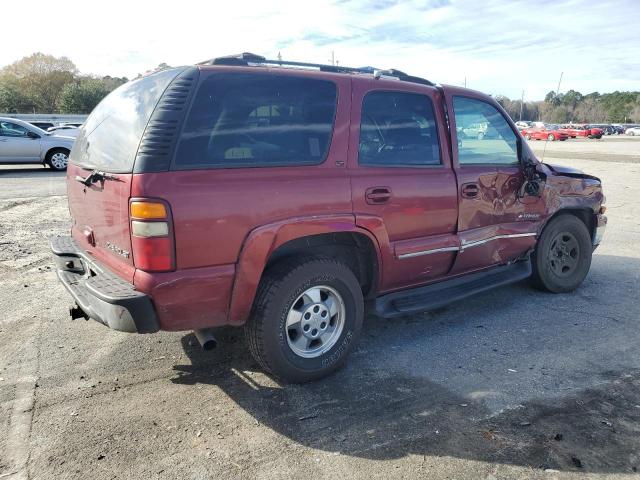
x=100 y=294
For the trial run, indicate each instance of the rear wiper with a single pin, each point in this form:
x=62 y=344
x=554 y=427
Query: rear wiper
x=95 y=176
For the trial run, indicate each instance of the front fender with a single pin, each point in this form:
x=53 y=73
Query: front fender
x=264 y=240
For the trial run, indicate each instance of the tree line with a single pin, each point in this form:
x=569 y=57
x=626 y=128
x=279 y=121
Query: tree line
x=43 y=83
x=573 y=106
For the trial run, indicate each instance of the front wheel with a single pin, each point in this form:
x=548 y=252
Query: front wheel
x=527 y=136
x=306 y=318
x=550 y=137
x=562 y=257
x=58 y=159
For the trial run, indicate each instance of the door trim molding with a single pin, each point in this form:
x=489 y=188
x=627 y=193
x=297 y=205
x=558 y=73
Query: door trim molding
x=477 y=243
x=427 y=252
x=465 y=245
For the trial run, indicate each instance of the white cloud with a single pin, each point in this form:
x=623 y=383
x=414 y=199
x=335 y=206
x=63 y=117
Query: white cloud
x=501 y=47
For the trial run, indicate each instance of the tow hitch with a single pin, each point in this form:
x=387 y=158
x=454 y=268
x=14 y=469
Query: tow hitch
x=76 y=312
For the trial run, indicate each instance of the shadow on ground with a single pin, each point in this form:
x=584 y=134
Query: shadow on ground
x=379 y=408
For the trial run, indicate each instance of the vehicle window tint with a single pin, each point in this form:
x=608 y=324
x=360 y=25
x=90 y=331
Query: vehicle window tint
x=110 y=137
x=8 y=129
x=484 y=136
x=240 y=119
x=398 y=129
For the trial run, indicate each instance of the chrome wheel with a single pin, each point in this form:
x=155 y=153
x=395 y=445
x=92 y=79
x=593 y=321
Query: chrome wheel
x=551 y=138
x=564 y=254
x=315 y=321
x=59 y=160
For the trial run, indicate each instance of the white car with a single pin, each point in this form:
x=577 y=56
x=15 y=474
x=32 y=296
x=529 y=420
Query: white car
x=21 y=142
x=632 y=131
x=66 y=130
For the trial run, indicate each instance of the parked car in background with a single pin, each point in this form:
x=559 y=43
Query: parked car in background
x=523 y=124
x=594 y=131
x=66 y=130
x=606 y=129
x=241 y=192
x=42 y=125
x=632 y=131
x=21 y=142
x=545 y=132
x=619 y=129
x=585 y=131
x=479 y=131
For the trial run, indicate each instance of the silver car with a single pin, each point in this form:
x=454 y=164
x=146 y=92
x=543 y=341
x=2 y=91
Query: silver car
x=21 y=142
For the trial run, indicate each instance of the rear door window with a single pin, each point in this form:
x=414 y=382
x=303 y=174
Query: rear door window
x=109 y=138
x=240 y=119
x=398 y=129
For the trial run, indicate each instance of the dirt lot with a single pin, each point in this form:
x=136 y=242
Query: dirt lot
x=512 y=384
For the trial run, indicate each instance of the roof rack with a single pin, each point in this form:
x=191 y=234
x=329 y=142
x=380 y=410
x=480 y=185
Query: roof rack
x=246 y=59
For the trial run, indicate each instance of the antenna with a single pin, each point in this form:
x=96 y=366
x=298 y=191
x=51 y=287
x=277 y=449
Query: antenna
x=557 y=93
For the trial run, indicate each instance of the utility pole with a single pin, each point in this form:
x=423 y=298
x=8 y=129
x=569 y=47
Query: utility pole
x=333 y=58
x=521 y=104
x=559 y=81
x=279 y=57
x=465 y=81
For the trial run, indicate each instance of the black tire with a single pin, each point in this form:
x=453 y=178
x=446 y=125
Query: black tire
x=280 y=287
x=55 y=165
x=562 y=258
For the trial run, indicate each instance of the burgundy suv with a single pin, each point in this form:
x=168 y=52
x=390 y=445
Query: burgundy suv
x=283 y=196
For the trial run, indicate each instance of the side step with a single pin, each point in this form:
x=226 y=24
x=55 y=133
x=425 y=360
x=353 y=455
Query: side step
x=442 y=293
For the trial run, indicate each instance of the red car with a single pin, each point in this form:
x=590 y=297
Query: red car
x=582 y=131
x=284 y=197
x=548 y=132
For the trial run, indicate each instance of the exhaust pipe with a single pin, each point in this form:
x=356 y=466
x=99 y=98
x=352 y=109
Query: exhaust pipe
x=206 y=339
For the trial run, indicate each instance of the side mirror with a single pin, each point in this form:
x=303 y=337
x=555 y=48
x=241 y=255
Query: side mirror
x=32 y=135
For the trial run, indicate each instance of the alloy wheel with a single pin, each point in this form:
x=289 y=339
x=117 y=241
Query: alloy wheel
x=315 y=321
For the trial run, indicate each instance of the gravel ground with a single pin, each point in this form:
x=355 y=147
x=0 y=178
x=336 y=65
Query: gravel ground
x=512 y=384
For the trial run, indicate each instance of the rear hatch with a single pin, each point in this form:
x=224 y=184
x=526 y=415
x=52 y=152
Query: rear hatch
x=108 y=143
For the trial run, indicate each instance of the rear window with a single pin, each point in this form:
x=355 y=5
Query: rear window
x=110 y=137
x=240 y=119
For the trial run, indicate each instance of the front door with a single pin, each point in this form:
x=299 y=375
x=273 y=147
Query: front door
x=15 y=144
x=403 y=187
x=492 y=227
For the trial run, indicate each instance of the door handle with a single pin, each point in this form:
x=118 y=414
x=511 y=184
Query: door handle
x=470 y=190
x=377 y=195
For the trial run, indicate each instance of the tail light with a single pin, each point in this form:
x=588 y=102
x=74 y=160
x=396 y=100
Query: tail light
x=152 y=239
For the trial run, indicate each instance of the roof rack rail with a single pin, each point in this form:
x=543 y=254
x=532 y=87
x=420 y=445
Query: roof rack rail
x=246 y=58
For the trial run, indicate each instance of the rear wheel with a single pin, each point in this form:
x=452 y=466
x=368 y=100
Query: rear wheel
x=306 y=318
x=58 y=158
x=562 y=257
x=528 y=136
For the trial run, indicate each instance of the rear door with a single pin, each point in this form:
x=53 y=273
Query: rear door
x=493 y=227
x=108 y=142
x=403 y=187
x=15 y=144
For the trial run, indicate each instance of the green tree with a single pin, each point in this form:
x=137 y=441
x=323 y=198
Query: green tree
x=12 y=97
x=83 y=96
x=41 y=78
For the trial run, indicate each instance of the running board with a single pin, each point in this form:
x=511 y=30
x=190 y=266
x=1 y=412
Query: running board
x=442 y=293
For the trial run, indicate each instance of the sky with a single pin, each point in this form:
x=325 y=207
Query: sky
x=500 y=47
